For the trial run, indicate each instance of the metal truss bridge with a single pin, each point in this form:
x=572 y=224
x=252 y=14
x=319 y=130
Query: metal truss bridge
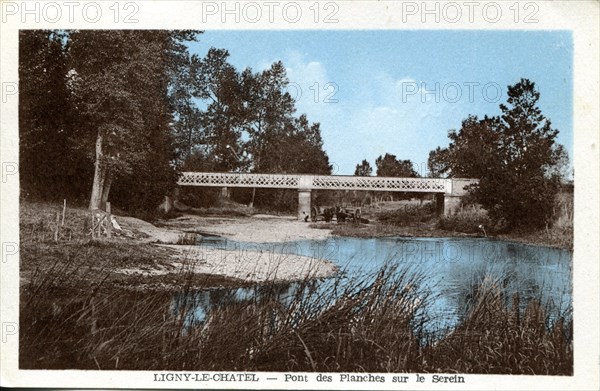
x=451 y=188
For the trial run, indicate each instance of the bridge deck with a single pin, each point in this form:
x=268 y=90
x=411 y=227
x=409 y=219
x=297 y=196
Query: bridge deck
x=316 y=182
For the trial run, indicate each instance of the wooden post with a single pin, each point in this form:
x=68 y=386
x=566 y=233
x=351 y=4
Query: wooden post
x=64 y=209
x=99 y=234
x=57 y=226
x=93 y=225
x=108 y=221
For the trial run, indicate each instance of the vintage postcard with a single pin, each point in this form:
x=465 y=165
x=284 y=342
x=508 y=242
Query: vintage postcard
x=387 y=195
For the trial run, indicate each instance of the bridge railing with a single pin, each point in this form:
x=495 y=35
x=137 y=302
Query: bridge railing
x=309 y=182
x=227 y=179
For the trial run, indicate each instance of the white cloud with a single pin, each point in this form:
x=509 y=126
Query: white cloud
x=309 y=83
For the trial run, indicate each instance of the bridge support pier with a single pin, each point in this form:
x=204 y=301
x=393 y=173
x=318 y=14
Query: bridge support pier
x=304 y=206
x=456 y=189
x=451 y=204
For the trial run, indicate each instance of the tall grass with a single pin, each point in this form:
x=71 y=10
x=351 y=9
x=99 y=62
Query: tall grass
x=495 y=338
x=374 y=323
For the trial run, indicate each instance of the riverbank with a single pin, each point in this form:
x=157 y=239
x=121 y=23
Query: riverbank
x=412 y=218
x=263 y=228
x=144 y=256
x=430 y=230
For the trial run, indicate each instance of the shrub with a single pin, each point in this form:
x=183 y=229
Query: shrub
x=409 y=214
x=467 y=219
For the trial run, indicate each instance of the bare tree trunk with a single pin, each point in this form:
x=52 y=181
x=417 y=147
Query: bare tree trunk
x=99 y=176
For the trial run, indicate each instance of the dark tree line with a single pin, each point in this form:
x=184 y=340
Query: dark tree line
x=515 y=157
x=389 y=165
x=114 y=115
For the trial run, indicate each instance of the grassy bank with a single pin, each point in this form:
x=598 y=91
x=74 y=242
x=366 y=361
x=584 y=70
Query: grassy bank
x=99 y=262
x=416 y=219
x=367 y=324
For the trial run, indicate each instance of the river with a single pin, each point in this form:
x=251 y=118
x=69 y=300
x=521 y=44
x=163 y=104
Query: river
x=450 y=267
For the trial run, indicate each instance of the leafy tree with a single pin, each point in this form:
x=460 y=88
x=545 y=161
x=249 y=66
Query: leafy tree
x=297 y=149
x=219 y=84
x=363 y=169
x=520 y=188
x=471 y=151
x=269 y=114
x=187 y=118
x=121 y=85
x=515 y=157
x=389 y=166
x=437 y=165
x=50 y=167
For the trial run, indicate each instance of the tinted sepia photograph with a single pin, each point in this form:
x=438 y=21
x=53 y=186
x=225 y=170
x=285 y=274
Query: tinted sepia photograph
x=238 y=206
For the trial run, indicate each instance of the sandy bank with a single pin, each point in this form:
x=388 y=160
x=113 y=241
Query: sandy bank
x=257 y=229
x=251 y=266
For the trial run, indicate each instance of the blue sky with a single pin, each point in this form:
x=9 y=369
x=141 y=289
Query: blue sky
x=378 y=102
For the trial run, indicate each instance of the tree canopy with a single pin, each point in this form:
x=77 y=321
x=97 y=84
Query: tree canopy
x=515 y=157
x=389 y=165
x=119 y=112
x=363 y=169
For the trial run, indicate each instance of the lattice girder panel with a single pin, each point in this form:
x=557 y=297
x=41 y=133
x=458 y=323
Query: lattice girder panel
x=428 y=185
x=223 y=179
x=291 y=181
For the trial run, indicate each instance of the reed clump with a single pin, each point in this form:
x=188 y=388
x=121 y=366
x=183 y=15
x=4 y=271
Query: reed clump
x=368 y=323
x=494 y=338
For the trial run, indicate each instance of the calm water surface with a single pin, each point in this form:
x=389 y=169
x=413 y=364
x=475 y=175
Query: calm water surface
x=451 y=266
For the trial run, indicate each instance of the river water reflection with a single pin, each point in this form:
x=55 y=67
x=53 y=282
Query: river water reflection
x=451 y=266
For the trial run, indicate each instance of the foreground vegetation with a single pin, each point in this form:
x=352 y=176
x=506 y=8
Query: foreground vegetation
x=374 y=323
